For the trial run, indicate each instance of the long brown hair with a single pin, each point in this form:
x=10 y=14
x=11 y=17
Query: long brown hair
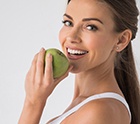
x=126 y=17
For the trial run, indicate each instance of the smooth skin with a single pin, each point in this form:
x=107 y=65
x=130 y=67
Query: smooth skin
x=88 y=26
x=39 y=84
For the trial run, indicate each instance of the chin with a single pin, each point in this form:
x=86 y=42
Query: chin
x=75 y=70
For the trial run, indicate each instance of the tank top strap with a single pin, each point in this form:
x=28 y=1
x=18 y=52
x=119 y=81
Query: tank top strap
x=94 y=97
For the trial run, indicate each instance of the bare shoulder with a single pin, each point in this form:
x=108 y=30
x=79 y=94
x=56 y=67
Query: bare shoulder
x=103 y=111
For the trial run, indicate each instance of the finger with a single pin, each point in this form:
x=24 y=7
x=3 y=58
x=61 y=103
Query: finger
x=40 y=64
x=32 y=69
x=31 y=73
x=48 y=68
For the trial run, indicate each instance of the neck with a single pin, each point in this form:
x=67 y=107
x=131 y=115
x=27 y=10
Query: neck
x=95 y=81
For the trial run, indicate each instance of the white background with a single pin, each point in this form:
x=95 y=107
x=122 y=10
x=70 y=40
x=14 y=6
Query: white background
x=25 y=27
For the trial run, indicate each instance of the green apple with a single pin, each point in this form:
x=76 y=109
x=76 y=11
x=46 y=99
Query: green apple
x=60 y=62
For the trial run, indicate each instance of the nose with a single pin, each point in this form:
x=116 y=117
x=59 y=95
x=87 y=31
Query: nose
x=74 y=35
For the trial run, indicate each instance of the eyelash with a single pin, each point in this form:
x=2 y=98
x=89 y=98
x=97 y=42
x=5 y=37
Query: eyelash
x=92 y=27
x=65 y=23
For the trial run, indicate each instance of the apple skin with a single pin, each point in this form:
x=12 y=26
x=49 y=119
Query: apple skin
x=60 y=62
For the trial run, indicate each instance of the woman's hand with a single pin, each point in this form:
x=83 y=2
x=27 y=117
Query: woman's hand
x=39 y=84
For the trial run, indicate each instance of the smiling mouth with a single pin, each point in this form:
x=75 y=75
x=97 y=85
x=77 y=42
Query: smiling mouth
x=76 y=52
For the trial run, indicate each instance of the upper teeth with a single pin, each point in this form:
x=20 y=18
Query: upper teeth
x=71 y=51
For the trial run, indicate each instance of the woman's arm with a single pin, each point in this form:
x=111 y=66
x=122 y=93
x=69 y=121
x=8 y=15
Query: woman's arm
x=39 y=84
x=31 y=114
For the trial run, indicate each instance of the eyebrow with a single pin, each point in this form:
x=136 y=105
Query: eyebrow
x=85 y=19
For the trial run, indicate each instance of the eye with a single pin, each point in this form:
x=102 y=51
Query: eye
x=67 y=23
x=92 y=27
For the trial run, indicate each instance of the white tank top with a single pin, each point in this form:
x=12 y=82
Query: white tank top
x=94 y=97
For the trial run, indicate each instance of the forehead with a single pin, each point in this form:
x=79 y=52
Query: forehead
x=89 y=8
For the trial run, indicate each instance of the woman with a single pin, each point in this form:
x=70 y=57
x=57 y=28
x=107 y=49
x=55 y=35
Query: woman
x=96 y=38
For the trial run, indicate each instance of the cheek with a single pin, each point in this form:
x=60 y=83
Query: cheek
x=94 y=42
x=100 y=42
x=62 y=36
x=99 y=46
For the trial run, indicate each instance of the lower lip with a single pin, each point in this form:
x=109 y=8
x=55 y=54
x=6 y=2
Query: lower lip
x=74 y=57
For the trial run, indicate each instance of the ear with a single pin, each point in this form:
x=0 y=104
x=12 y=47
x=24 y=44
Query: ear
x=123 y=40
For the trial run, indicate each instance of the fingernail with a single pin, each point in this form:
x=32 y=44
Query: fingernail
x=41 y=49
x=48 y=55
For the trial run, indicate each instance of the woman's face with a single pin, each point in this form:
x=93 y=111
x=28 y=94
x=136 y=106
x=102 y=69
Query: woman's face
x=88 y=38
